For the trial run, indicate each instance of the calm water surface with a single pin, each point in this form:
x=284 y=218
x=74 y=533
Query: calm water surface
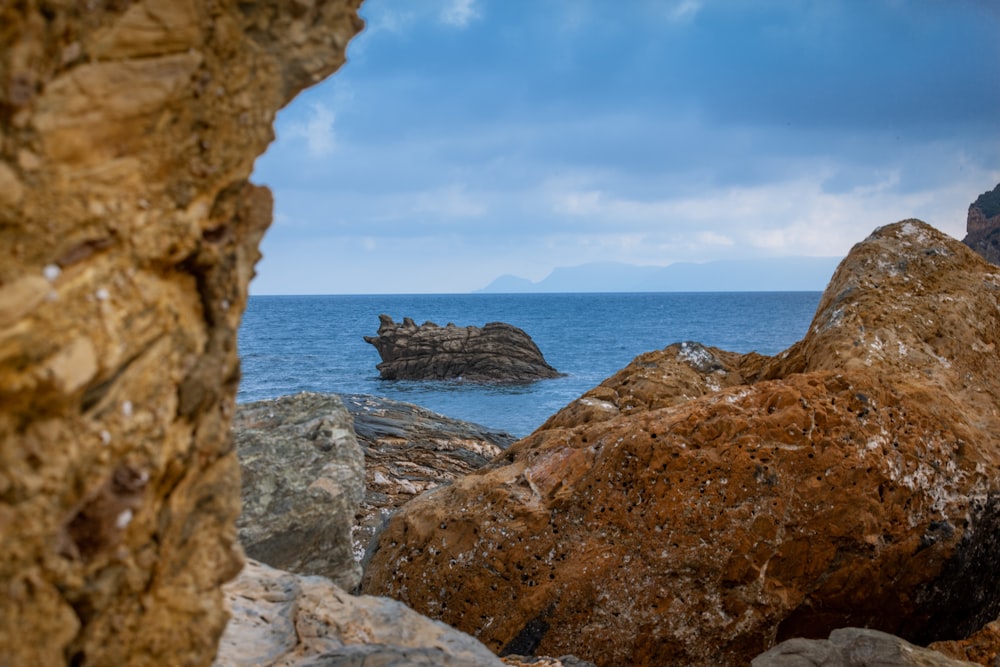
x=297 y=343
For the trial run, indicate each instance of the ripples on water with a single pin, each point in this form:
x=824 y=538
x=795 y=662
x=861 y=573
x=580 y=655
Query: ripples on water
x=298 y=343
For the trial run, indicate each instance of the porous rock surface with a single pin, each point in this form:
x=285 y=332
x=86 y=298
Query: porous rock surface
x=983 y=225
x=497 y=352
x=302 y=483
x=700 y=507
x=854 y=647
x=128 y=234
x=983 y=647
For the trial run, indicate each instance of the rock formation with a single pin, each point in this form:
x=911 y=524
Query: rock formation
x=128 y=234
x=319 y=478
x=854 y=647
x=497 y=352
x=296 y=621
x=701 y=506
x=983 y=647
x=983 y=225
x=408 y=450
x=303 y=481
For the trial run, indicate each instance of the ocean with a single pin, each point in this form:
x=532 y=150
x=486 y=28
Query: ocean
x=290 y=344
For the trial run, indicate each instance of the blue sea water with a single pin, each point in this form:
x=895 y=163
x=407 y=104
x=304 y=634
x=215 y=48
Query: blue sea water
x=315 y=343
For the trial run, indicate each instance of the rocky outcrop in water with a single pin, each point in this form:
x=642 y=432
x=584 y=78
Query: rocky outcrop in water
x=497 y=352
x=129 y=234
x=701 y=506
x=983 y=225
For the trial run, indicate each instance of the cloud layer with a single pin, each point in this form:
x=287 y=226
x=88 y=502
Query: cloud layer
x=476 y=138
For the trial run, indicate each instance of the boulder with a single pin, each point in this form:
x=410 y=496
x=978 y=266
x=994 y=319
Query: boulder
x=497 y=352
x=303 y=481
x=854 y=647
x=322 y=472
x=701 y=506
x=287 y=620
x=129 y=233
x=983 y=225
x=408 y=450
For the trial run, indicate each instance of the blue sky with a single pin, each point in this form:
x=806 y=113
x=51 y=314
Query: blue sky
x=466 y=139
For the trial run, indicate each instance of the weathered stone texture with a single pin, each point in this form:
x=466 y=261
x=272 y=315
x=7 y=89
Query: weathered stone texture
x=286 y=620
x=700 y=506
x=303 y=482
x=408 y=450
x=128 y=234
x=497 y=352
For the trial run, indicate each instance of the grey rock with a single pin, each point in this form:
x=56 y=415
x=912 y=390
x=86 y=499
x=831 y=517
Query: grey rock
x=854 y=647
x=303 y=480
x=280 y=619
x=497 y=352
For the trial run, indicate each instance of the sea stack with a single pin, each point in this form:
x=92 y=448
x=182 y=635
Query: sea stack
x=496 y=353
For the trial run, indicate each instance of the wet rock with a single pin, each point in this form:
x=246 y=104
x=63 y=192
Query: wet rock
x=854 y=647
x=128 y=131
x=303 y=481
x=497 y=352
x=700 y=506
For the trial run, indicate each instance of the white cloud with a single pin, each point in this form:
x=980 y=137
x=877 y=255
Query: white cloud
x=451 y=202
x=316 y=131
x=711 y=238
x=684 y=10
x=459 y=13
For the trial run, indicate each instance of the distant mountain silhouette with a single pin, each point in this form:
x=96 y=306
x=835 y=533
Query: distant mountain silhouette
x=781 y=274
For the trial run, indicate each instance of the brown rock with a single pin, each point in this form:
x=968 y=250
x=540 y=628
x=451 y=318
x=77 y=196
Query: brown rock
x=409 y=450
x=983 y=647
x=497 y=352
x=983 y=225
x=700 y=506
x=128 y=234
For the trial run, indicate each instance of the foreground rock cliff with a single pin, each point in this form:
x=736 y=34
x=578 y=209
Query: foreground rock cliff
x=701 y=506
x=128 y=234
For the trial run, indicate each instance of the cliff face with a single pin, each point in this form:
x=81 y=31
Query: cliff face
x=128 y=235
x=983 y=225
x=701 y=505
